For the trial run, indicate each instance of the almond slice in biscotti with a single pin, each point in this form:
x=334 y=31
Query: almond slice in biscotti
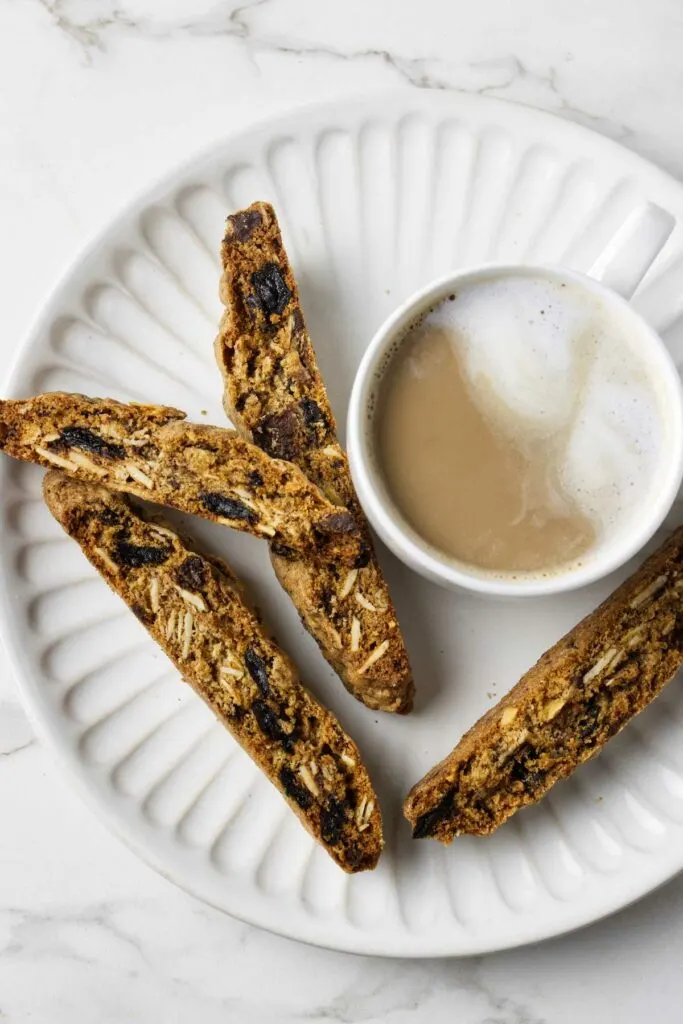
x=194 y=608
x=275 y=395
x=582 y=692
x=153 y=452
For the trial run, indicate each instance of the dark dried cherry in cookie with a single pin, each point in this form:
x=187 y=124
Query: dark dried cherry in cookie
x=227 y=508
x=135 y=556
x=79 y=437
x=244 y=224
x=191 y=574
x=270 y=289
x=293 y=789
x=258 y=670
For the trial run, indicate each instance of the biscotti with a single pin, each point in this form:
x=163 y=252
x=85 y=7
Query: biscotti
x=194 y=609
x=275 y=395
x=564 y=710
x=152 y=452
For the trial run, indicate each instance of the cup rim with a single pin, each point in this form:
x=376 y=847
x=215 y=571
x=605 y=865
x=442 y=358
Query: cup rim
x=406 y=543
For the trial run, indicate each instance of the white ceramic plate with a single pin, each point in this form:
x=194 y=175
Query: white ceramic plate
x=375 y=198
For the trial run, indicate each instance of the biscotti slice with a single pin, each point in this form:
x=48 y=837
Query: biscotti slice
x=194 y=608
x=152 y=452
x=564 y=710
x=276 y=397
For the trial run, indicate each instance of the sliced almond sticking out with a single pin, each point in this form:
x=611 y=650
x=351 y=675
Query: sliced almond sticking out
x=553 y=708
x=508 y=716
x=163 y=530
x=84 y=462
x=154 y=593
x=246 y=496
x=187 y=635
x=269 y=531
x=378 y=653
x=194 y=599
x=518 y=740
x=348 y=761
x=363 y=602
x=649 y=592
x=355 y=633
x=111 y=565
x=57 y=460
x=170 y=625
x=600 y=665
x=141 y=478
x=349 y=583
x=308 y=780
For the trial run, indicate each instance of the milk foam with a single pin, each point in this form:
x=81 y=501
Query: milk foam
x=547 y=361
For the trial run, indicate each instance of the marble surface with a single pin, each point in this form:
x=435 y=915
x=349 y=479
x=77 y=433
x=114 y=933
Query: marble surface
x=96 y=98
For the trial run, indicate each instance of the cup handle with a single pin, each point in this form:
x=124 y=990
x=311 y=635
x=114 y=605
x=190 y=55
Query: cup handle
x=622 y=263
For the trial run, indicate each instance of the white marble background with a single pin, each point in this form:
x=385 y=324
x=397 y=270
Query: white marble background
x=97 y=97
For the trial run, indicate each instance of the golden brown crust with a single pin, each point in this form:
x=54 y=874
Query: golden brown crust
x=276 y=397
x=194 y=609
x=582 y=692
x=152 y=452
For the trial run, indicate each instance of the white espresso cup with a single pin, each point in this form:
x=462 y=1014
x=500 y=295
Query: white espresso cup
x=614 y=273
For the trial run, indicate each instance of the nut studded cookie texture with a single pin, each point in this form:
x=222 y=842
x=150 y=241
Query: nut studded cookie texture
x=194 y=608
x=275 y=395
x=152 y=452
x=582 y=692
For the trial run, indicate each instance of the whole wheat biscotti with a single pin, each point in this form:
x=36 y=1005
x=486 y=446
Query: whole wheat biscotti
x=582 y=692
x=275 y=395
x=194 y=608
x=152 y=452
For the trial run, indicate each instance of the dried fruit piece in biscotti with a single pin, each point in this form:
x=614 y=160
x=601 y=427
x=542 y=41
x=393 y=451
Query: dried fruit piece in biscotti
x=193 y=607
x=564 y=710
x=276 y=397
x=152 y=452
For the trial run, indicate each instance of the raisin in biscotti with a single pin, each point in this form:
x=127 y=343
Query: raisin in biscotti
x=194 y=608
x=152 y=452
x=564 y=710
x=275 y=395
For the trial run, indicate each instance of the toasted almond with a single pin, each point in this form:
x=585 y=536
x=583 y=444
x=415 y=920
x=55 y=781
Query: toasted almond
x=141 y=478
x=634 y=636
x=196 y=600
x=355 y=634
x=111 y=565
x=378 y=653
x=85 y=463
x=308 y=780
x=362 y=600
x=517 y=742
x=246 y=496
x=649 y=592
x=348 y=761
x=600 y=665
x=552 y=708
x=163 y=530
x=170 y=625
x=268 y=531
x=154 y=590
x=508 y=716
x=348 y=584
x=57 y=460
x=187 y=635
